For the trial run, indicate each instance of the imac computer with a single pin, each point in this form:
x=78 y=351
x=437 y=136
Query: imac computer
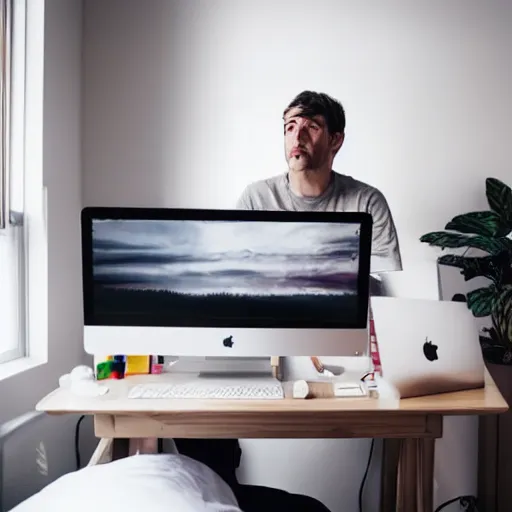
x=196 y=282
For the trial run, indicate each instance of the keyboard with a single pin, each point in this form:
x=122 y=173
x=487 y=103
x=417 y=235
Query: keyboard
x=265 y=390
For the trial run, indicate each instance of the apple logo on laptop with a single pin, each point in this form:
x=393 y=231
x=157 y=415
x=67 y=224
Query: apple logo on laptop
x=430 y=350
x=228 y=342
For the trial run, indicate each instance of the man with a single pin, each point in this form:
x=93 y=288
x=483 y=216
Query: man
x=314 y=131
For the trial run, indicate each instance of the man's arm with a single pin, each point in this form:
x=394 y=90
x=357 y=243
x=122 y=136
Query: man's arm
x=385 y=247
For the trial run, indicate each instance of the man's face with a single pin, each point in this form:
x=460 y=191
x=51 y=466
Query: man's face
x=308 y=144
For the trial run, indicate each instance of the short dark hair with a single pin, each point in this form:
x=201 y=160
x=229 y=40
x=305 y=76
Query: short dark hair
x=318 y=103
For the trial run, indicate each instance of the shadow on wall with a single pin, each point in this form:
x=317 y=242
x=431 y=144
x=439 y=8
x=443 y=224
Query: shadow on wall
x=31 y=453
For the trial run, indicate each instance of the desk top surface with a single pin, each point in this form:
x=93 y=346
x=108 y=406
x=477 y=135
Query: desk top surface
x=487 y=400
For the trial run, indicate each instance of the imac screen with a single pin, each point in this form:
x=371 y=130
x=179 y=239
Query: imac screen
x=203 y=273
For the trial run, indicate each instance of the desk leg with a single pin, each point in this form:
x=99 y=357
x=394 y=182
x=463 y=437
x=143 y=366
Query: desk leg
x=389 y=474
x=415 y=489
x=426 y=468
x=407 y=480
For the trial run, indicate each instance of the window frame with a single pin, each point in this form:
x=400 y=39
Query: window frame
x=25 y=191
x=13 y=30
x=5 y=61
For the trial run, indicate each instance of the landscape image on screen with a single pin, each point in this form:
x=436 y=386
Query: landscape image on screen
x=225 y=273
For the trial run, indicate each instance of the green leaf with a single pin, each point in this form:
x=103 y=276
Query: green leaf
x=502 y=314
x=499 y=197
x=481 y=300
x=490 y=267
x=445 y=240
x=486 y=223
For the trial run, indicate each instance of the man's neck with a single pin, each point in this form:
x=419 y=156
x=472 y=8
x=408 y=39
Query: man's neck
x=309 y=183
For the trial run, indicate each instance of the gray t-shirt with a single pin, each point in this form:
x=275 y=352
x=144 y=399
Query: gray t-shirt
x=344 y=194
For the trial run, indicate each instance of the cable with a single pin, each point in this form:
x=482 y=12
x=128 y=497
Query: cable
x=446 y=503
x=361 y=488
x=77 y=442
x=468 y=503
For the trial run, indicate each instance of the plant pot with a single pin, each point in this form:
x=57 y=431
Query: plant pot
x=495 y=448
x=496 y=354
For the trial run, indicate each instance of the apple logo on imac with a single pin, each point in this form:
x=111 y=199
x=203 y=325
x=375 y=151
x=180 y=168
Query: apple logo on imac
x=430 y=350
x=228 y=342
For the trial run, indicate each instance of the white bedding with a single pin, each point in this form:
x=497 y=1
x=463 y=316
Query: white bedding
x=156 y=483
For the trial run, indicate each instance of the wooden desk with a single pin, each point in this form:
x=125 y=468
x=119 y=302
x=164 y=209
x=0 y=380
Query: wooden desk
x=408 y=426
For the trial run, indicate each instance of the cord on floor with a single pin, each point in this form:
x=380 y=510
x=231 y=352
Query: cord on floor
x=77 y=442
x=361 y=488
x=467 y=503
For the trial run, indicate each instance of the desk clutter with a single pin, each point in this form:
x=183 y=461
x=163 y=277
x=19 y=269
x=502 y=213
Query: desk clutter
x=84 y=381
x=121 y=366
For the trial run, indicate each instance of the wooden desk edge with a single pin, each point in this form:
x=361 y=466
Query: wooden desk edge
x=462 y=403
x=484 y=411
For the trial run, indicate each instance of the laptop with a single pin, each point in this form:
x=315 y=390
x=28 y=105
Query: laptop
x=427 y=346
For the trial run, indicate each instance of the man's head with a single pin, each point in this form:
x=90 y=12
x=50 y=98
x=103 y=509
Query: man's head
x=314 y=129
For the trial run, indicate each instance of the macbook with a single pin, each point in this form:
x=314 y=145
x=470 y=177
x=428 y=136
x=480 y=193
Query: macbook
x=427 y=346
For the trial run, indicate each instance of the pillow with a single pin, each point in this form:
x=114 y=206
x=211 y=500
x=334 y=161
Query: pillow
x=156 y=483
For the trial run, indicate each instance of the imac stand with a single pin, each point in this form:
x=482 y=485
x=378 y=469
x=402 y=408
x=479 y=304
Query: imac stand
x=224 y=367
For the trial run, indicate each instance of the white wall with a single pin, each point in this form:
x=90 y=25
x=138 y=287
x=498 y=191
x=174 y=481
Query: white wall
x=182 y=107
x=62 y=177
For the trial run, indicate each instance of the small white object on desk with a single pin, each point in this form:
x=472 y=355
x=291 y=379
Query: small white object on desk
x=82 y=372
x=80 y=381
x=348 y=389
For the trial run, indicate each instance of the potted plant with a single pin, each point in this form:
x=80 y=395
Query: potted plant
x=489 y=232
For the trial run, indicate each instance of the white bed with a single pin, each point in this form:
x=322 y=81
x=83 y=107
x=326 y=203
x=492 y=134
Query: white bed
x=157 y=483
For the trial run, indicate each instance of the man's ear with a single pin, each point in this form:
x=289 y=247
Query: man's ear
x=337 y=142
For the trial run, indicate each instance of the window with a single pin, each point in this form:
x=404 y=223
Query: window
x=12 y=236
